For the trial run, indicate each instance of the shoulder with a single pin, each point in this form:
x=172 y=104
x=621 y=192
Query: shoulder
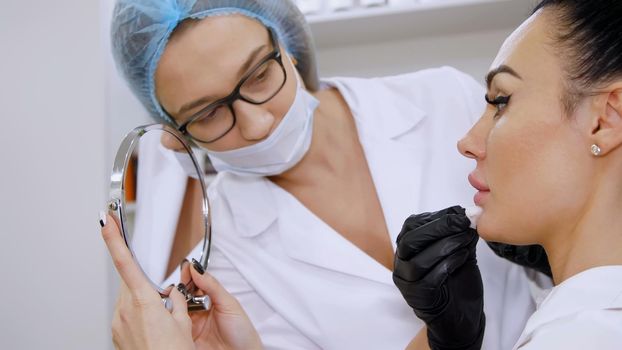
x=422 y=81
x=428 y=76
x=444 y=86
x=446 y=78
x=442 y=94
x=597 y=329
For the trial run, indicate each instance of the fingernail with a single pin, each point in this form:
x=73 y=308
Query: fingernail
x=181 y=288
x=183 y=263
x=102 y=218
x=168 y=304
x=197 y=266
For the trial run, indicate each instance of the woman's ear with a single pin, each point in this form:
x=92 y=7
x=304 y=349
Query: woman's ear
x=607 y=126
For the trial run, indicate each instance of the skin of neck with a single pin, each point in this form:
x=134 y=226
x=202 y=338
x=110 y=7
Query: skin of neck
x=595 y=238
x=334 y=141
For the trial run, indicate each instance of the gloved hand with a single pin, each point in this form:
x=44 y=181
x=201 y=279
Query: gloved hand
x=436 y=272
x=532 y=256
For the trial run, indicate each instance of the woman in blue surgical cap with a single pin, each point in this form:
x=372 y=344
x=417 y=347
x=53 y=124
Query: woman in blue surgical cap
x=315 y=177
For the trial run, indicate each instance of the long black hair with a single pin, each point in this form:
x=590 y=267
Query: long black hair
x=588 y=35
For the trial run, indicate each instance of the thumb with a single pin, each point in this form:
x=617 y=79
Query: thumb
x=439 y=274
x=221 y=300
x=180 y=307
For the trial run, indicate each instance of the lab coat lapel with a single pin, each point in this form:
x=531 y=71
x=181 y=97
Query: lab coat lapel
x=251 y=202
x=308 y=239
x=397 y=174
x=387 y=121
x=391 y=152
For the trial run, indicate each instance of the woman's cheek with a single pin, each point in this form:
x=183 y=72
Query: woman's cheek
x=505 y=168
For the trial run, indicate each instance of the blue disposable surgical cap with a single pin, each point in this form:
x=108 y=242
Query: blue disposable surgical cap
x=141 y=29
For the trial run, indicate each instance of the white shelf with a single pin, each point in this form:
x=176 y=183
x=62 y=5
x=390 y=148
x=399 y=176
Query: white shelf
x=380 y=24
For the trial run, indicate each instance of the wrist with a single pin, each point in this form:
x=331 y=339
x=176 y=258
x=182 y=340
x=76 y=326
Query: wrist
x=449 y=341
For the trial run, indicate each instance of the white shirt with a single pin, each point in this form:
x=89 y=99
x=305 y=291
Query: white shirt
x=583 y=312
x=303 y=285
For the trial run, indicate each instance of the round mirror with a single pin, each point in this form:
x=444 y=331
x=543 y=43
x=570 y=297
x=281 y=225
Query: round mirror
x=158 y=198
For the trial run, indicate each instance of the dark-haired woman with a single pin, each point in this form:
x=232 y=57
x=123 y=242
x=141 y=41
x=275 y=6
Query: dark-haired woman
x=549 y=168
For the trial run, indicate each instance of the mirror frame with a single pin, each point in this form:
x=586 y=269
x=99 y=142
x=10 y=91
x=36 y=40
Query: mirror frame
x=116 y=202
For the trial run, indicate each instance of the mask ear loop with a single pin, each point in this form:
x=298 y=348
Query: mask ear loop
x=293 y=61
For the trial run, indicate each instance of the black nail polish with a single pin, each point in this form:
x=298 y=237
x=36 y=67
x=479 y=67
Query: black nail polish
x=101 y=223
x=197 y=266
x=181 y=288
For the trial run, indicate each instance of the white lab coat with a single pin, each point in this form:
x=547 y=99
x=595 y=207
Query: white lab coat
x=160 y=180
x=306 y=287
x=583 y=312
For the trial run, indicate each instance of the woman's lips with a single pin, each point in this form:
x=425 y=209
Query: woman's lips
x=480 y=197
x=482 y=189
x=478 y=184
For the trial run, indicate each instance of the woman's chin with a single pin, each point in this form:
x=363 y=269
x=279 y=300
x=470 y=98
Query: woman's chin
x=500 y=236
x=483 y=234
x=490 y=231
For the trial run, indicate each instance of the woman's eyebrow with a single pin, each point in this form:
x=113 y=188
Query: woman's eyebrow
x=501 y=69
x=251 y=58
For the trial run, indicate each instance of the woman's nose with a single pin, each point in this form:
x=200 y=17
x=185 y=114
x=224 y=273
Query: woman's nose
x=473 y=144
x=253 y=121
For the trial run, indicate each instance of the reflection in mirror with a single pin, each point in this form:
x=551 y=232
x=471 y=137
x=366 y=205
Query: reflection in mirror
x=162 y=206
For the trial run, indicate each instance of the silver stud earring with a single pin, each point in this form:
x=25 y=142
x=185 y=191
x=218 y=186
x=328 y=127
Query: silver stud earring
x=596 y=150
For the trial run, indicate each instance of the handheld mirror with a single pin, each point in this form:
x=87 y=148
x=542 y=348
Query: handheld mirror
x=158 y=199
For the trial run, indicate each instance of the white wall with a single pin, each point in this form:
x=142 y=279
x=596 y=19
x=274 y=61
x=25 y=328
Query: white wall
x=471 y=52
x=53 y=171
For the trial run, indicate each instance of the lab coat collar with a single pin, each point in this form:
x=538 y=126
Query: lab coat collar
x=304 y=236
x=596 y=288
x=308 y=239
x=250 y=202
x=378 y=108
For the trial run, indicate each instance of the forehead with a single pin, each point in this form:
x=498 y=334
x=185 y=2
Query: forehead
x=530 y=50
x=220 y=33
x=203 y=51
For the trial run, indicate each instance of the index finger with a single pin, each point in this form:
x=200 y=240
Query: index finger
x=415 y=241
x=123 y=261
x=417 y=220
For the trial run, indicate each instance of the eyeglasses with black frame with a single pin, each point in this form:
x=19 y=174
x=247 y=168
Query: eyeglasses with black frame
x=258 y=86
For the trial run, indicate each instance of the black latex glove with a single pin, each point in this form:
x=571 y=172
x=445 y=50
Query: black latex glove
x=436 y=272
x=532 y=256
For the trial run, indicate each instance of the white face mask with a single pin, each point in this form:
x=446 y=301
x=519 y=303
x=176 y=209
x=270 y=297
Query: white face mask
x=283 y=149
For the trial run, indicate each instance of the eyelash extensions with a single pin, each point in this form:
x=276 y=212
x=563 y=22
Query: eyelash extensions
x=497 y=102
